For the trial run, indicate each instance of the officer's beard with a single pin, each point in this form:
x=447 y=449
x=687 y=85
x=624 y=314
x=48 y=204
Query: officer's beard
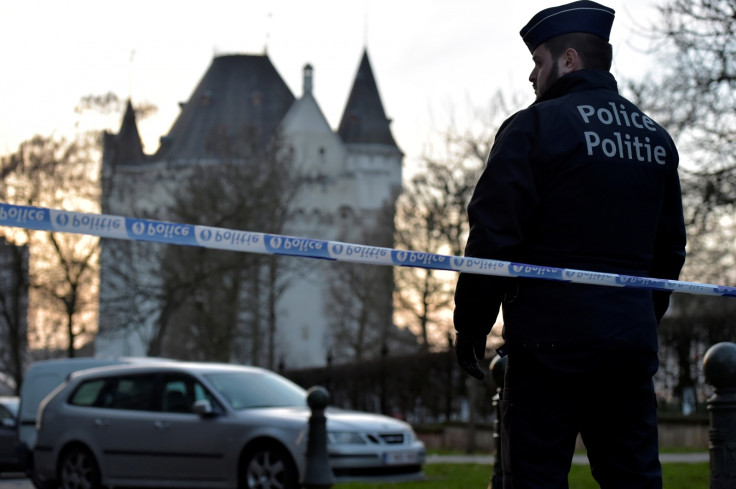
x=552 y=77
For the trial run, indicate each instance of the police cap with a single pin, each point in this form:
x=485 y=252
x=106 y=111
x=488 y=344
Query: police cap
x=583 y=16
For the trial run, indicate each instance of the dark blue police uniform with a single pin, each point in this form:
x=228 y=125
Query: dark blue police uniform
x=581 y=179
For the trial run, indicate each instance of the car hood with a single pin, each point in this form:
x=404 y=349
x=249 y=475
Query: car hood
x=337 y=419
x=341 y=420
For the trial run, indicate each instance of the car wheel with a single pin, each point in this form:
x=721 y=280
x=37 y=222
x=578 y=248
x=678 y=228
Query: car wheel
x=78 y=470
x=268 y=466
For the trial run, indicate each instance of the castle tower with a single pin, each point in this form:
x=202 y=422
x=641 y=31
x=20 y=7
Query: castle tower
x=350 y=176
x=366 y=132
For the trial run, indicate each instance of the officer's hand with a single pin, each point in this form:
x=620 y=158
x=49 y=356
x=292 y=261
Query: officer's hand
x=468 y=352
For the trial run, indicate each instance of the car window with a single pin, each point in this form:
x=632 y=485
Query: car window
x=133 y=392
x=180 y=392
x=87 y=393
x=244 y=390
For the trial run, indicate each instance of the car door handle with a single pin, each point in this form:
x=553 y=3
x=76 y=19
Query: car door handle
x=101 y=422
x=161 y=425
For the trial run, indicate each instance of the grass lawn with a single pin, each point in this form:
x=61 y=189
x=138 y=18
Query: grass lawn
x=475 y=476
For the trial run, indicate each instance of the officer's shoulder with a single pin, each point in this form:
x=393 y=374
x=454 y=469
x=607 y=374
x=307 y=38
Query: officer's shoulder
x=520 y=117
x=510 y=120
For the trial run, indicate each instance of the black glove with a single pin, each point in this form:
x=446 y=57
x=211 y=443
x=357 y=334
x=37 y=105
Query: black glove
x=468 y=352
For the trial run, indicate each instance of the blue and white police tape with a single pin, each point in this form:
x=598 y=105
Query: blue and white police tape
x=128 y=228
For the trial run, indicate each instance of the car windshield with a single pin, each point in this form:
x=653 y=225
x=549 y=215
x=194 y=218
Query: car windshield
x=246 y=390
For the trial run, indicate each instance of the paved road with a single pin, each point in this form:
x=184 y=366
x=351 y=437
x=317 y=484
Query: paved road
x=17 y=481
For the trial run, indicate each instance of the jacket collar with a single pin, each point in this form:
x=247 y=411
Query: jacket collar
x=578 y=81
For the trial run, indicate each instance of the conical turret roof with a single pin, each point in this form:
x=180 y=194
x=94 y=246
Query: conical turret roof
x=126 y=146
x=364 y=120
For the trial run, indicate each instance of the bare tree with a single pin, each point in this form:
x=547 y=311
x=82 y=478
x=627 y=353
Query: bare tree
x=432 y=218
x=131 y=302
x=57 y=173
x=202 y=303
x=110 y=103
x=358 y=303
x=354 y=314
x=251 y=188
x=68 y=283
x=693 y=95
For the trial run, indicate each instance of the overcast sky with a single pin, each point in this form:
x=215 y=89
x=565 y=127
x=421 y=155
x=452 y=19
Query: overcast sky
x=429 y=57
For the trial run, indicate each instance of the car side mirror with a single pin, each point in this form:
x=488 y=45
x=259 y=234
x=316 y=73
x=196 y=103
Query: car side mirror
x=203 y=407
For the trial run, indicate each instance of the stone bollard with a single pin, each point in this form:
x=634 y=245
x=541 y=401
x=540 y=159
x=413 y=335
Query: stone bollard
x=719 y=367
x=317 y=473
x=498 y=369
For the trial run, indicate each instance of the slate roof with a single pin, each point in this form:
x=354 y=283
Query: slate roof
x=125 y=147
x=364 y=120
x=237 y=93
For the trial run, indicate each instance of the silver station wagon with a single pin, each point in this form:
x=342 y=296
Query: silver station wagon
x=203 y=425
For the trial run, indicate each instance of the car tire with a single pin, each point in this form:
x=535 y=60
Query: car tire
x=268 y=466
x=78 y=469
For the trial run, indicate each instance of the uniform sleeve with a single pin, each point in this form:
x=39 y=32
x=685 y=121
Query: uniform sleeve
x=669 y=246
x=504 y=201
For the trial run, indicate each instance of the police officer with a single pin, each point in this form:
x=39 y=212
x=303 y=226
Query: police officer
x=581 y=179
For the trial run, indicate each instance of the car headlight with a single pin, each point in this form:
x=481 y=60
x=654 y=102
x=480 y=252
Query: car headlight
x=411 y=437
x=345 y=438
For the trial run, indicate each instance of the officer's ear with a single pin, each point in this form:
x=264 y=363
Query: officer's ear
x=570 y=61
